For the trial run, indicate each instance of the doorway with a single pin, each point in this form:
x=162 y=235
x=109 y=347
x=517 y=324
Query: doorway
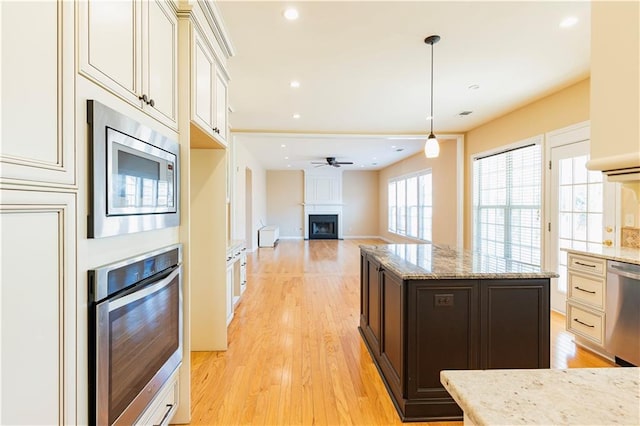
x=248 y=203
x=582 y=206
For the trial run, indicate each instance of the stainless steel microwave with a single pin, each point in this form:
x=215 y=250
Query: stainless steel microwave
x=134 y=175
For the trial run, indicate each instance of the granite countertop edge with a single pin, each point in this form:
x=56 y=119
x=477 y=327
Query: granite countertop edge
x=409 y=271
x=619 y=254
x=517 y=396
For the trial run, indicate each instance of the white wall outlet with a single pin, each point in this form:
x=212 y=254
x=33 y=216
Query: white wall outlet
x=629 y=220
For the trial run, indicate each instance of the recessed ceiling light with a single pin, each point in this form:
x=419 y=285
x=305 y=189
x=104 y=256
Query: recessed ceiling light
x=393 y=146
x=288 y=165
x=569 y=21
x=296 y=116
x=474 y=87
x=361 y=165
x=291 y=14
x=283 y=146
x=295 y=84
x=286 y=158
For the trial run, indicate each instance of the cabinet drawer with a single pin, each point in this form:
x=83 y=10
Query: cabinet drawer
x=586 y=323
x=163 y=407
x=590 y=265
x=587 y=290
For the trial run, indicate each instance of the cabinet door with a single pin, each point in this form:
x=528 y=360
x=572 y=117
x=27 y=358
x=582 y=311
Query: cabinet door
x=160 y=61
x=110 y=45
x=221 y=106
x=393 y=339
x=372 y=329
x=442 y=334
x=229 y=293
x=37 y=86
x=38 y=299
x=515 y=324
x=203 y=69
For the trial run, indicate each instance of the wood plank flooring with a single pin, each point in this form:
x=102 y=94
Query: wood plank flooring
x=295 y=355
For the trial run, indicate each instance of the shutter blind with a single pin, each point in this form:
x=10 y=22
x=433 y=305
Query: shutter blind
x=507 y=191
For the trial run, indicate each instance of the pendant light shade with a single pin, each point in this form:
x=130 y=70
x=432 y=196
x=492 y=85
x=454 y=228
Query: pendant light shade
x=432 y=147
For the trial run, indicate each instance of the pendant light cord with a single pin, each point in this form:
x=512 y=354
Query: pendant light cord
x=431 y=89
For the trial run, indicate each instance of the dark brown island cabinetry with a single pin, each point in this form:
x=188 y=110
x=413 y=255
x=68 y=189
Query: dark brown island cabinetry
x=414 y=328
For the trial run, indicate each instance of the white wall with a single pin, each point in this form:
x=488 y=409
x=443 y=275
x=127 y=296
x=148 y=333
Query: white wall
x=244 y=160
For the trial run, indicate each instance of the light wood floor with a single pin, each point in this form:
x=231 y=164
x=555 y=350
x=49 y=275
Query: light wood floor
x=295 y=356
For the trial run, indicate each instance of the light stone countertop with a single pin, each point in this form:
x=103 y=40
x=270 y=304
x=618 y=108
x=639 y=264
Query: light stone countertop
x=434 y=261
x=620 y=254
x=578 y=396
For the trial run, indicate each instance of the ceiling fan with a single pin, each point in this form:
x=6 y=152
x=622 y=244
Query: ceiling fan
x=331 y=161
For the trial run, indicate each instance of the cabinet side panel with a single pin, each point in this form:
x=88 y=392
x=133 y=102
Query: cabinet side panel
x=515 y=324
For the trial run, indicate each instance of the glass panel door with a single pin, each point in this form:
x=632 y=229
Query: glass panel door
x=579 y=216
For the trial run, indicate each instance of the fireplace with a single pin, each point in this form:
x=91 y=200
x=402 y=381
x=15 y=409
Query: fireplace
x=323 y=226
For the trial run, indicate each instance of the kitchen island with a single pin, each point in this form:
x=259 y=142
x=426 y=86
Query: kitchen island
x=426 y=308
x=579 y=396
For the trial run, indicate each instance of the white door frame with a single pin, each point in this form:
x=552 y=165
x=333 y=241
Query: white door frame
x=576 y=133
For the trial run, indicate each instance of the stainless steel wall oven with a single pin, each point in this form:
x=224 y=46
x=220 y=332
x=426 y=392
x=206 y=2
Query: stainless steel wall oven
x=135 y=333
x=134 y=175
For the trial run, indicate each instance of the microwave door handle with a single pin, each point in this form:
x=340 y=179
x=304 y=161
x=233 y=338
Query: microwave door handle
x=140 y=294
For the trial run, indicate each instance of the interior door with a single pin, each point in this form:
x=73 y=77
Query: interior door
x=582 y=212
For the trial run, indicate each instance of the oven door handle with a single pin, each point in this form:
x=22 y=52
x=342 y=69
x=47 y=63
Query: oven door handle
x=144 y=292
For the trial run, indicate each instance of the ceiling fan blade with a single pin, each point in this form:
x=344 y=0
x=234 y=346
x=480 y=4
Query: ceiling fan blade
x=344 y=162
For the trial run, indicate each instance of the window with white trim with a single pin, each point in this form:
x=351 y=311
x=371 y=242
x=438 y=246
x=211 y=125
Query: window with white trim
x=410 y=205
x=507 y=189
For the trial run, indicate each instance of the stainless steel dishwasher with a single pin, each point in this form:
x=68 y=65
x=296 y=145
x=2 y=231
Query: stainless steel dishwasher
x=622 y=312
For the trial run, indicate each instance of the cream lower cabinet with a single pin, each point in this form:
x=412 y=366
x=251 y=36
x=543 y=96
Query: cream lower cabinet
x=229 y=291
x=164 y=406
x=37 y=86
x=586 y=289
x=130 y=48
x=38 y=300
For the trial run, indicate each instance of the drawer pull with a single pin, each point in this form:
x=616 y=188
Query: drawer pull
x=585 y=264
x=169 y=406
x=583 y=323
x=586 y=291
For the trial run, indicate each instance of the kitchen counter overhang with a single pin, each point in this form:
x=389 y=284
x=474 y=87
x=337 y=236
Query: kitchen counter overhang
x=578 y=396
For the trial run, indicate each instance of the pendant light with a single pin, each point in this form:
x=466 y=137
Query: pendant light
x=432 y=147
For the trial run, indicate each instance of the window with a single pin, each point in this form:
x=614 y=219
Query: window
x=410 y=205
x=506 y=204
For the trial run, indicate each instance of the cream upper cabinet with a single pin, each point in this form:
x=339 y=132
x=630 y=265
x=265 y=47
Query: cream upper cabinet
x=159 y=65
x=209 y=88
x=130 y=47
x=203 y=70
x=615 y=89
x=221 y=105
x=37 y=86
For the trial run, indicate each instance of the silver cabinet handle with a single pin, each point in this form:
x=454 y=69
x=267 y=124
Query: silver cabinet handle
x=169 y=406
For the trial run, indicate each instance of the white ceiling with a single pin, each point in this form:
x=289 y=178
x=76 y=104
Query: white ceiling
x=364 y=69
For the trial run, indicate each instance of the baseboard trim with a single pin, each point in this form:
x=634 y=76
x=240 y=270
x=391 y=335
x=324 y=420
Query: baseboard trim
x=291 y=238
